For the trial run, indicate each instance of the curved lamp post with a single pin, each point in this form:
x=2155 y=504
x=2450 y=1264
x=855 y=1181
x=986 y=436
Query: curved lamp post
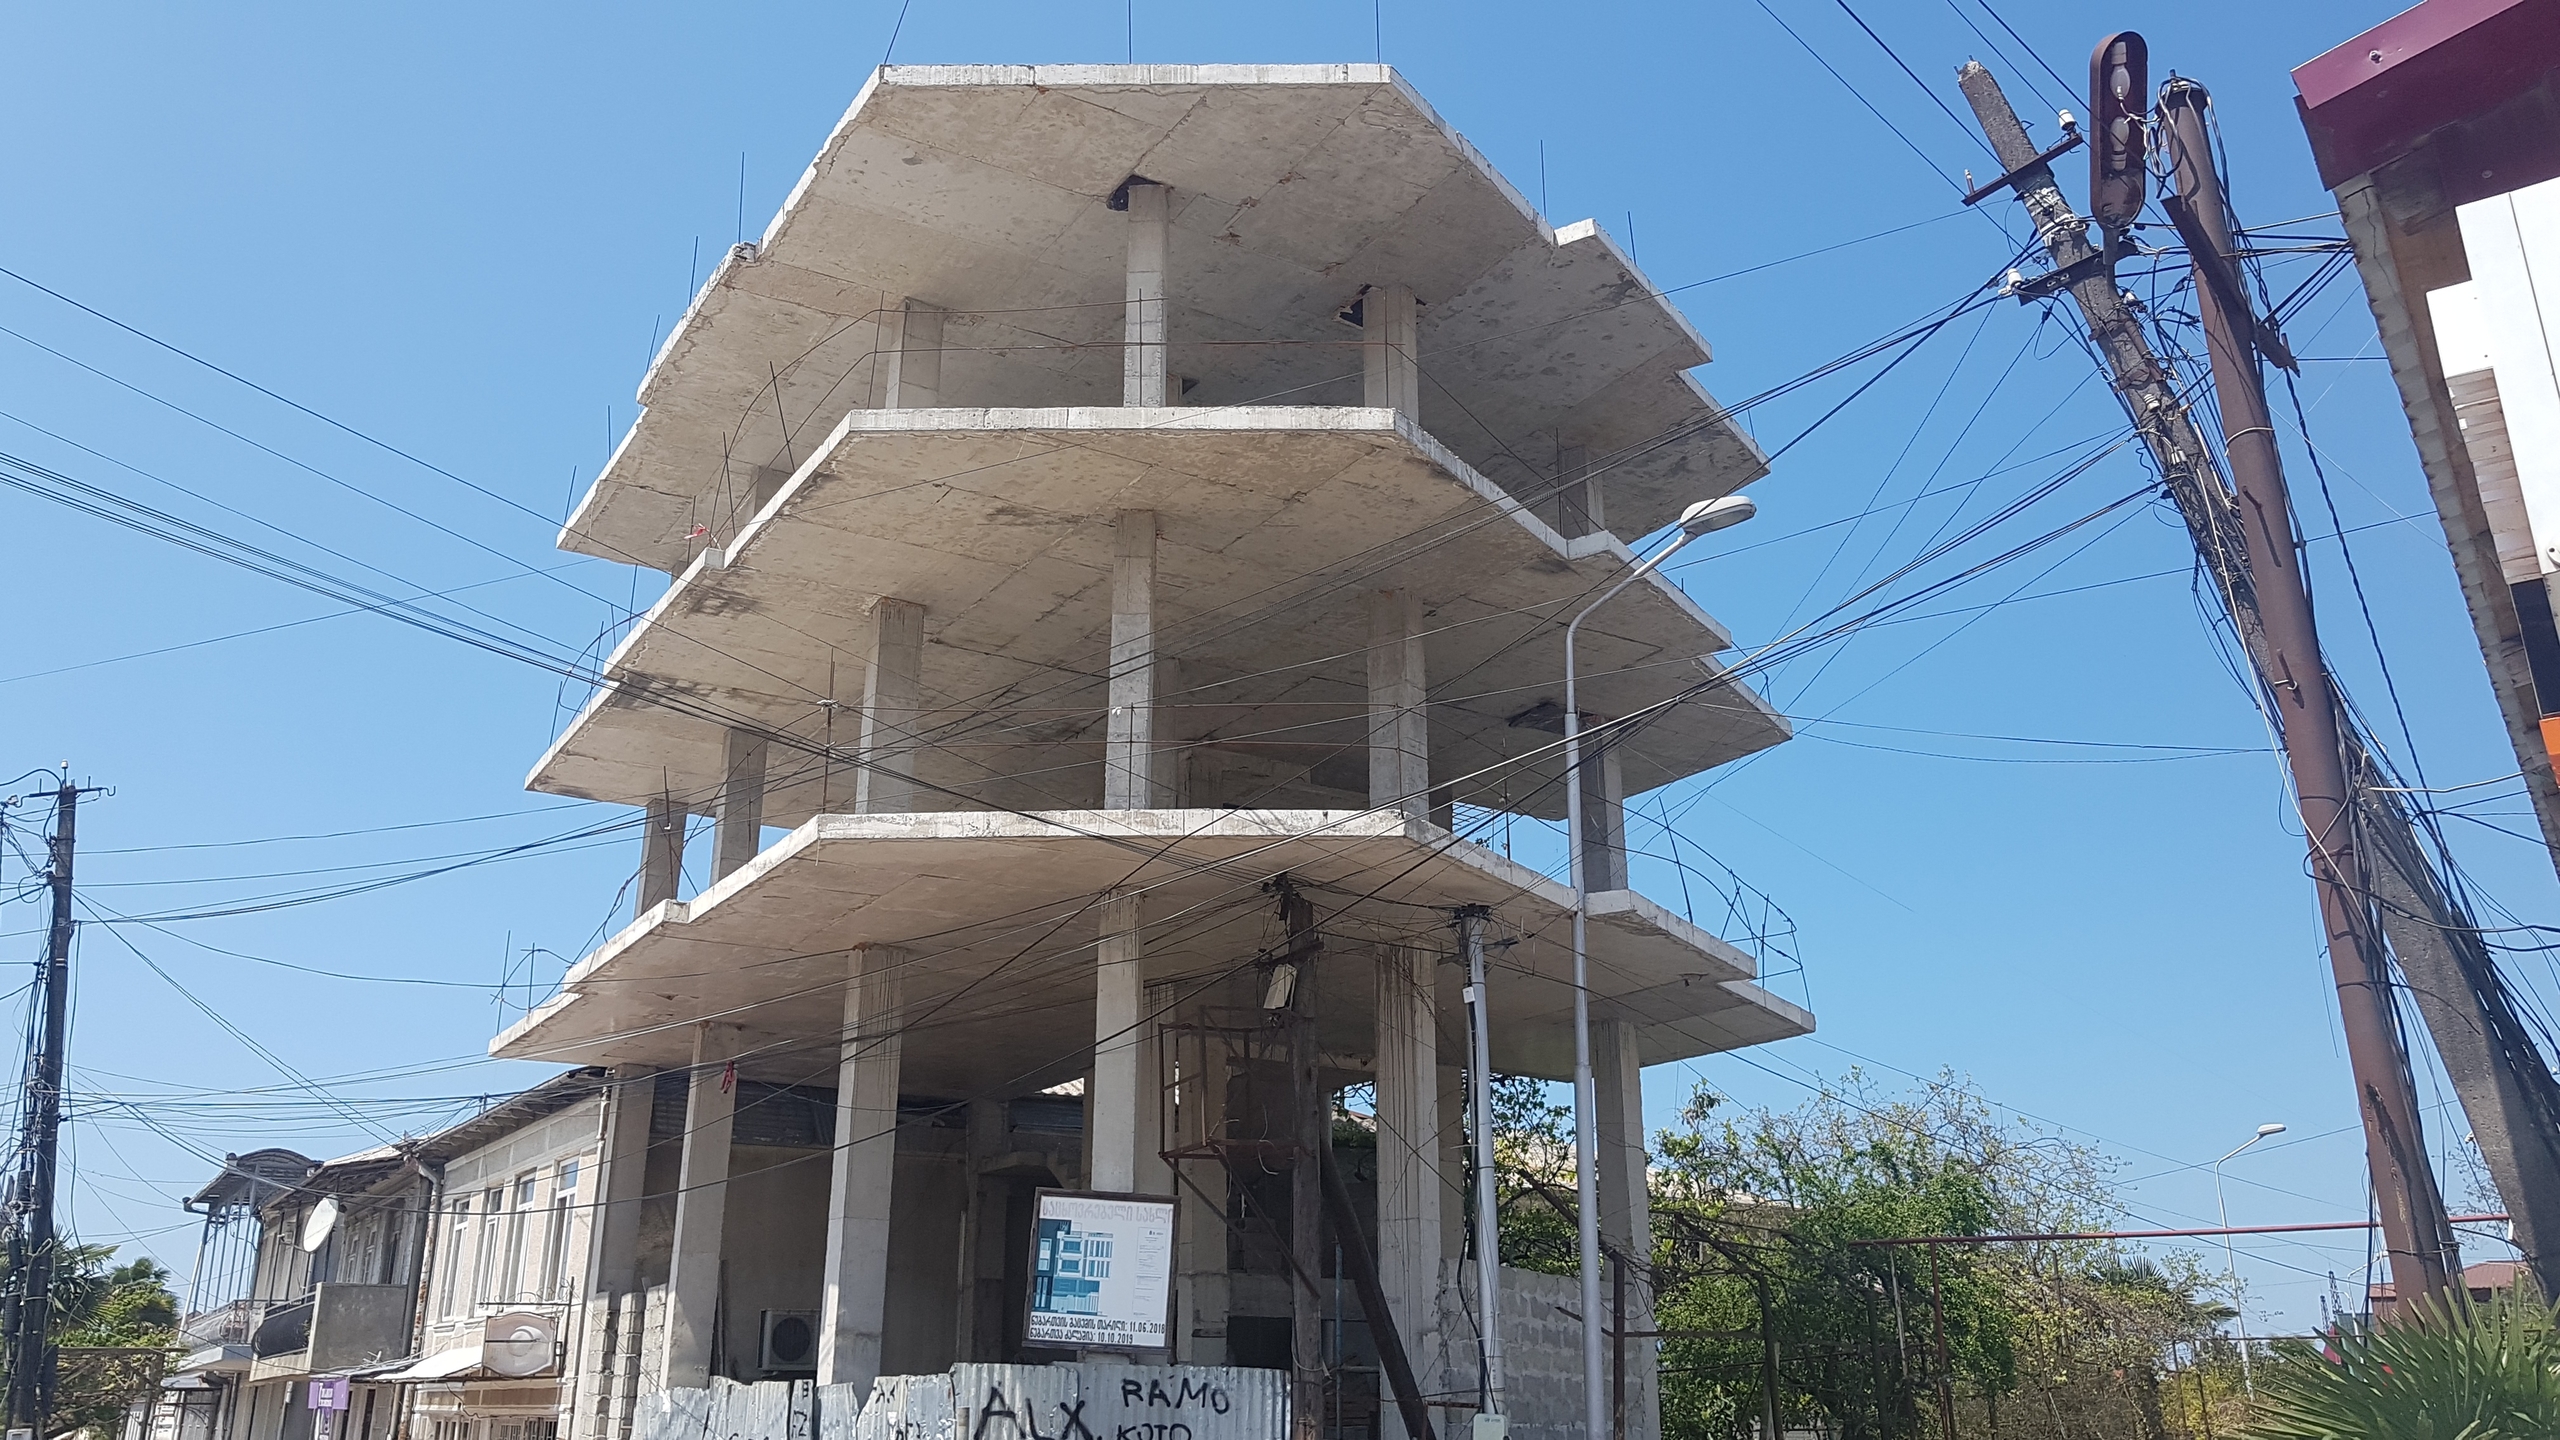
x=1703 y=518
x=2231 y=1259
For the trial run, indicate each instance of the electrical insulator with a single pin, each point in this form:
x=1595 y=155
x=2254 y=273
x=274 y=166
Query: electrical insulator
x=2119 y=84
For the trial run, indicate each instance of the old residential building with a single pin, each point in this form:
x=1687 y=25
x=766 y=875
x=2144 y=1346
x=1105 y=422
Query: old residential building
x=442 y=1276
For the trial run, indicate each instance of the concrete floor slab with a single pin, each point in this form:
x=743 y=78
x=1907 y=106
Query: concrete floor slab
x=1274 y=522
x=982 y=190
x=999 y=913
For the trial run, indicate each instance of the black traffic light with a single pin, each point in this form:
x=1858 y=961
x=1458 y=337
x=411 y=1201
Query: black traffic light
x=2119 y=89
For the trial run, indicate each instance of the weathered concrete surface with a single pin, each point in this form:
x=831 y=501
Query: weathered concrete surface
x=1004 y=907
x=982 y=190
x=1275 y=523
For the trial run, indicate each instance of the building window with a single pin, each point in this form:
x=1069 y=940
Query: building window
x=511 y=1282
x=555 y=1240
x=454 y=1271
x=449 y=1430
x=531 y=1427
x=493 y=1213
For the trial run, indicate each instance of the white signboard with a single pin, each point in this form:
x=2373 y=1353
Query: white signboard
x=1101 y=1272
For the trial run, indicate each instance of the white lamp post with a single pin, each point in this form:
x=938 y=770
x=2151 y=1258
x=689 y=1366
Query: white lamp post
x=1703 y=518
x=2231 y=1259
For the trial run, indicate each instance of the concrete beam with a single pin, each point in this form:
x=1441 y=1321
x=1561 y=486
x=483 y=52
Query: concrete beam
x=1409 y=1182
x=1390 y=348
x=892 y=705
x=702 y=1205
x=661 y=855
x=1129 y=764
x=740 y=831
x=1399 y=726
x=1142 y=363
x=1626 y=1215
x=1112 y=1140
x=855 y=1299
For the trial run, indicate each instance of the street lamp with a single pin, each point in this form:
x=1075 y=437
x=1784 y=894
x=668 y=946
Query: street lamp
x=2231 y=1259
x=1703 y=518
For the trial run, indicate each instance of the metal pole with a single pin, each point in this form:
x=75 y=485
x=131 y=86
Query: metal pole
x=1586 y=1104
x=2231 y=1265
x=1311 y=1121
x=1768 y=1361
x=1480 y=1106
x=2413 y=1213
x=31 y=1352
x=1946 y=1370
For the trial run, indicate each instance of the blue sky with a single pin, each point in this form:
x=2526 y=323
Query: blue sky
x=460 y=229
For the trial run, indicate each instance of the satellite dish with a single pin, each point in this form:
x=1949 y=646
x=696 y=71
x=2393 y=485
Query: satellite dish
x=519 y=1343
x=317 y=1225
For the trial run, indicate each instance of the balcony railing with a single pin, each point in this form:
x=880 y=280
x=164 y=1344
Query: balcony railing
x=229 y=1324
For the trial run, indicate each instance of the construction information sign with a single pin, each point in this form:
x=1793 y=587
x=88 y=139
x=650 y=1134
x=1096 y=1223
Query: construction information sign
x=1101 y=1272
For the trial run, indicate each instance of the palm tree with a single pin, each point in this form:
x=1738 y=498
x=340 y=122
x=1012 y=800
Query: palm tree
x=2448 y=1372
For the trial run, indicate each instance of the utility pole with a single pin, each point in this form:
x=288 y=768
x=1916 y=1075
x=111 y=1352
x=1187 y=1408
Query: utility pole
x=1311 y=1121
x=2249 y=546
x=31 y=1235
x=1490 y=1424
x=2298 y=680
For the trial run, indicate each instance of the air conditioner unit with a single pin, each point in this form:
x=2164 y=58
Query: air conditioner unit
x=520 y=1344
x=790 y=1342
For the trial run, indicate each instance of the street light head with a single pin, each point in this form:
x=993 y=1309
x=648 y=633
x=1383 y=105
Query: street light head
x=2270 y=1130
x=1711 y=515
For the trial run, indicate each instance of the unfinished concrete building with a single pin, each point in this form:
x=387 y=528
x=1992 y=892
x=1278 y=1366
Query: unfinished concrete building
x=1109 y=506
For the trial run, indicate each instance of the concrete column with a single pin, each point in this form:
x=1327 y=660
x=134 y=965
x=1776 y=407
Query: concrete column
x=740 y=832
x=1626 y=1212
x=911 y=338
x=1409 y=1199
x=1399 y=727
x=613 y=1255
x=702 y=1206
x=1112 y=1107
x=661 y=855
x=1390 y=378
x=855 y=1301
x=1578 y=505
x=892 y=705
x=982 y=1238
x=1128 y=761
x=1604 y=815
x=1142 y=352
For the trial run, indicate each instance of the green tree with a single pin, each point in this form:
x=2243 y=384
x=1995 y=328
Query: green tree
x=98 y=1304
x=1759 y=1218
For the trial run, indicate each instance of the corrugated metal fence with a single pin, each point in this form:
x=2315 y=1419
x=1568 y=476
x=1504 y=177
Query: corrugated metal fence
x=1087 y=1401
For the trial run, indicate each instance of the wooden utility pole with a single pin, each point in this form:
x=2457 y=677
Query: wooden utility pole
x=2249 y=547
x=29 y=1313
